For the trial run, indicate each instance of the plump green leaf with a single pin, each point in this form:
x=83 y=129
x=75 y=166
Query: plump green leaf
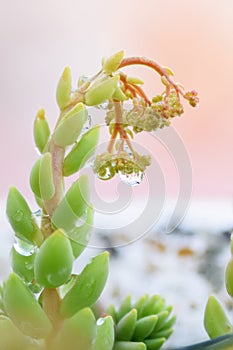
x=77 y=332
x=128 y=345
x=73 y=205
x=126 y=326
x=144 y=326
x=111 y=64
x=54 y=261
x=41 y=131
x=89 y=286
x=35 y=178
x=81 y=152
x=21 y=218
x=23 y=308
x=105 y=334
x=124 y=308
x=64 y=89
x=154 y=344
x=47 y=188
x=101 y=91
x=229 y=278
x=70 y=126
x=10 y=336
x=23 y=265
x=80 y=235
x=215 y=320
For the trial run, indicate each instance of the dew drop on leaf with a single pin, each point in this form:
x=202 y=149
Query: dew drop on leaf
x=24 y=248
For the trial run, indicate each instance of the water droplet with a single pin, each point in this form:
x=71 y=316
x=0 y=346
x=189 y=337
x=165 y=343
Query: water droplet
x=18 y=216
x=24 y=248
x=87 y=125
x=37 y=213
x=100 y=321
x=133 y=179
x=81 y=220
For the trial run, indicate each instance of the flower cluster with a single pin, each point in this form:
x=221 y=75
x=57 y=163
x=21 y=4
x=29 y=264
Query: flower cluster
x=192 y=97
x=106 y=165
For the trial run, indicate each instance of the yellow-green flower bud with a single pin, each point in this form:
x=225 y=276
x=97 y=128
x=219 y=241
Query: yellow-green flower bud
x=134 y=80
x=112 y=63
x=47 y=188
x=23 y=308
x=119 y=95
x=105 y=334
x=35 y=178
x=79 y=236
x=101 y=91
x=54 y=261
x=229 y=278
x=21 y=218
x=89 y=286
x=81 y=152
x=215 y=320
x=77 y=332
x=70 y=126
x=144 y=327
x=73 y=205
x=126 y=326
x=23 y=265
x=41 y=131
x=64 y=89
x=128 y=345
x=168 y=70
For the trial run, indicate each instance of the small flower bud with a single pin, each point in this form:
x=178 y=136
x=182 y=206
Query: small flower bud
x=64 y=89
x=41 y=131
x=111 y=64
x=101 y=91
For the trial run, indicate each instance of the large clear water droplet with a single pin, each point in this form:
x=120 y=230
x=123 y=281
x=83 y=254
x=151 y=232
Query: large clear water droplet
x=133 y=179
x=24 y=248
x=100 y=321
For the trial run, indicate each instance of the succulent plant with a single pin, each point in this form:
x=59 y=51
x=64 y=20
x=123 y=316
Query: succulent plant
x=44 y=305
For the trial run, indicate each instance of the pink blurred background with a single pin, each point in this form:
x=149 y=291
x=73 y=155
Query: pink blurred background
x=194 y=38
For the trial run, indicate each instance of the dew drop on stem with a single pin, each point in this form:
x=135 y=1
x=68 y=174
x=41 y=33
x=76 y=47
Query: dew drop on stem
x=24 y=248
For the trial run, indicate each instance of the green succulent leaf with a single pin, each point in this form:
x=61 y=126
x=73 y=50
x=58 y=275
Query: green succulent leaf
x=35 y=179
x=88 y=288
x=105 y=334
x=41 y=131
x=47 y=188
x=10 y=336
x=126 y=326
x=112 y=63
x=80 y=235
x=229 y=277
x=154 y=344
x=54 y=261
x=128 y=345
x=144 y=327
x=101 y=91
x=215 y=320
x=23 y=308
x=73 y=206
x=77 y=332
x=70 y=126
x=125 y=307
x=64 y=89
x=81 y=152
x=21 y=218
x=23 y=265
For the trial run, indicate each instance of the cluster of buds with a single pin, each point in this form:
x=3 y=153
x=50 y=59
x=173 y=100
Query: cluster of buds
x=192 y=97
